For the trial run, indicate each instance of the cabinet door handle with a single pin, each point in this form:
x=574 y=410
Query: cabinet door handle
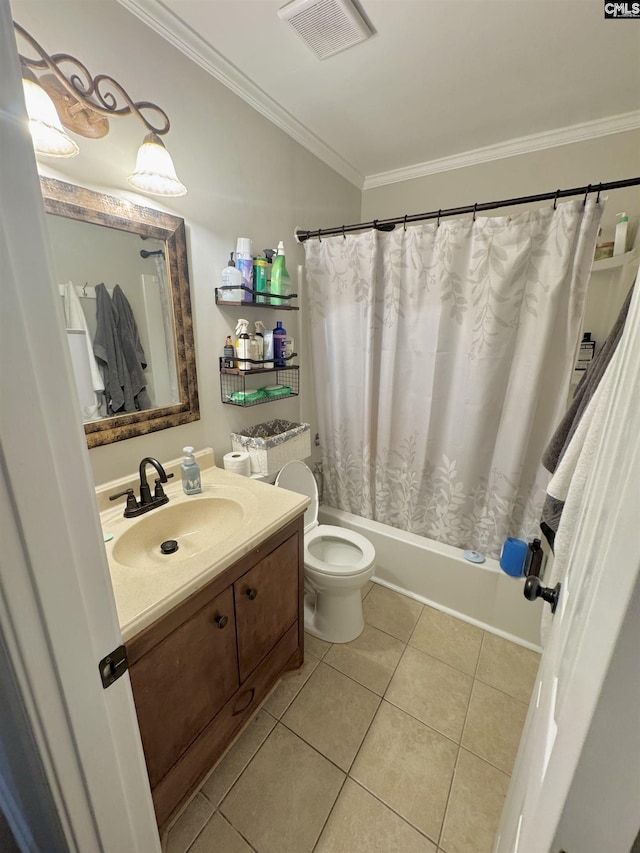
x=252 y=593
x=221 y=621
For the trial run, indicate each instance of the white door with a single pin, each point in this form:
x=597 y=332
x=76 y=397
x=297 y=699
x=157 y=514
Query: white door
x=597 y=584
x=57 y=611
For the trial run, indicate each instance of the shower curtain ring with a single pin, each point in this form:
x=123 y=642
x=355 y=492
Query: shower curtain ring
x=319 y=236
x=375 y=224
x=84 y=289
x=598 y=196
x=586 y=194
x=555 y=201
x=475 y=207
x=438 y=222
x=343 y=234
x=405 y=222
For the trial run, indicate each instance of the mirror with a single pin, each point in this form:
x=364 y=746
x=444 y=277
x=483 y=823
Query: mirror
x=121 y=272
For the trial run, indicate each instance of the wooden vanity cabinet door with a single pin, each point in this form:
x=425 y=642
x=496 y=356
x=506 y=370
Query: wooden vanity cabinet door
x=266 y=600
x=182 y=683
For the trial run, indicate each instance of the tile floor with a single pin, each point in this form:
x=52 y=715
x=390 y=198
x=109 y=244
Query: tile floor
x=402 y=740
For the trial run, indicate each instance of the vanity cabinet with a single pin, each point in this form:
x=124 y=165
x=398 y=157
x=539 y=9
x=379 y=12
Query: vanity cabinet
x=200 y=672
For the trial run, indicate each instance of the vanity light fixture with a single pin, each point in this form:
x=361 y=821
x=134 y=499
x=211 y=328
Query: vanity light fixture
x=83 y=104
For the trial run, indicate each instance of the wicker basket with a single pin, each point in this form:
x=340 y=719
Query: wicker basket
x=272 y=444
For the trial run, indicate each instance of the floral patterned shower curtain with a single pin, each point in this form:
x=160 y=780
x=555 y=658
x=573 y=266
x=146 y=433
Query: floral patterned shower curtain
x=442 y=357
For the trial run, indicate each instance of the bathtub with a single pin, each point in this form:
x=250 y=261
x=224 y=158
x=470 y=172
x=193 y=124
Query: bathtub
x=438 y=575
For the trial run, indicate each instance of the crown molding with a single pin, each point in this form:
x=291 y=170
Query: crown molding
x=510 y=148
x=172 y=28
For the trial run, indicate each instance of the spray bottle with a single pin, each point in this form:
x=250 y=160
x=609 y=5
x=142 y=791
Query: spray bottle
x=242 y=345
x=280 y=278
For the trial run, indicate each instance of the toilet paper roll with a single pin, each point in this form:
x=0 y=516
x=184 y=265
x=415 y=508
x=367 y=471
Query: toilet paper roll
x=238 y=462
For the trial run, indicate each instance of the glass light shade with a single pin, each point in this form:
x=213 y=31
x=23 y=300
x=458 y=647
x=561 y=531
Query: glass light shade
x=47 y=133
x=155 y=172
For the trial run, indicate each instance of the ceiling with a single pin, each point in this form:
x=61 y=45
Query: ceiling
x=439 y=79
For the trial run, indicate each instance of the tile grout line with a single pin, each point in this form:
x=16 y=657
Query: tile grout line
x=455 y=766
x=235 y=829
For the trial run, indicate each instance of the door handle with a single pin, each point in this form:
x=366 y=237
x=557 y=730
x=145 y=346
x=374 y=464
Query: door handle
x=252 y=593
x=221 y=621
x=533 y=589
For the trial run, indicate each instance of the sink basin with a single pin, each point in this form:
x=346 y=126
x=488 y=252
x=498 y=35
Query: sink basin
x=196 y=524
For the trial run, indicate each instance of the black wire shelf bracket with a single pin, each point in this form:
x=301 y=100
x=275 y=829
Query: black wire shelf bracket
x=256 y=296
x=390 y=224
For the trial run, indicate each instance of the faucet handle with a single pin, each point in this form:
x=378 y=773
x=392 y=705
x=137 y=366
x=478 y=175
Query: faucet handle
x=158 y=492
x=131 y=501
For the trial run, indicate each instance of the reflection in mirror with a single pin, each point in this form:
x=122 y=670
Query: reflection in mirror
x=121 y=272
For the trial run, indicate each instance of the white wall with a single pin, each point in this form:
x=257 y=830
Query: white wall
x=607 y=158
x=245 y=177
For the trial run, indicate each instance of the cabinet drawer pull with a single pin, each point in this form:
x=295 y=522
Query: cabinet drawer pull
x=252 y=593
x=221 y=621
x=250 y=696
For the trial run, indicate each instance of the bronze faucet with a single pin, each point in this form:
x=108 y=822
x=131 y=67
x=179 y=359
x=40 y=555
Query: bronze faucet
x=147 y=501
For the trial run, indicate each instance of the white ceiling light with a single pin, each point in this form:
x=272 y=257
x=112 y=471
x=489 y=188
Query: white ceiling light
x=47 y=134
x=155 y=172
x=326 y=26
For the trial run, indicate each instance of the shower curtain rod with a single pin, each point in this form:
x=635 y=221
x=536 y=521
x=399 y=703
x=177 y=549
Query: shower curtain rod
x=390 y=224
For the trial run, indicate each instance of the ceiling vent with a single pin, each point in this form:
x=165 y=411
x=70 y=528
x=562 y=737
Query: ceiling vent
x=327 y=26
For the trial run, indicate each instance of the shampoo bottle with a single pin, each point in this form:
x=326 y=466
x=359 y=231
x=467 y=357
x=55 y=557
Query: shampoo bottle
x=242 y=345
x=259 y=325
x=279 y=337
x=191 y=484
x=620 y=239
x=280 y=279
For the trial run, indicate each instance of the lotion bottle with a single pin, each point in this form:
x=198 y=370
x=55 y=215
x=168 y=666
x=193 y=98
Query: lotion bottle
x=191 y=484
x=279 y=336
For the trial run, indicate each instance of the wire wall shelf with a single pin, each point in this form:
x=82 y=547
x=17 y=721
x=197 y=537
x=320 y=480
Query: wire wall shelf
x=236 y=390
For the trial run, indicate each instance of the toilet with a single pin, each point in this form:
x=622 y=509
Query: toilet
x=337 y=564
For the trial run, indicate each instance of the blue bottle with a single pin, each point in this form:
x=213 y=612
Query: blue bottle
x=279 y=335
x=191 y=484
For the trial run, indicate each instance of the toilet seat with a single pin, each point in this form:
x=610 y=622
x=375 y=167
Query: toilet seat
x=297 y=477
x=363 y=560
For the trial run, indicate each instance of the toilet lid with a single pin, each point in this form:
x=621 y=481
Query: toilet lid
x=296 y=477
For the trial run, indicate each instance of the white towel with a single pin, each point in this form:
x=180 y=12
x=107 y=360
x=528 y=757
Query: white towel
x=75 y=319
x=570 y=479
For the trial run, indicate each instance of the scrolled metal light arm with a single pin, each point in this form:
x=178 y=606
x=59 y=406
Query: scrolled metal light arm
x=94 y=93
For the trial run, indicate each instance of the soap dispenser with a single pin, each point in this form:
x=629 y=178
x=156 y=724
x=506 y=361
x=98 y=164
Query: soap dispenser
x=191 y=483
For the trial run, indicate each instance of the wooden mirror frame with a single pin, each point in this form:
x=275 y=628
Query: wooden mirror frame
x=73 y=202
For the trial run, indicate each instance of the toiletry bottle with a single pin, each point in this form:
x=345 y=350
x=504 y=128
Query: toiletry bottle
x=242 y=345
x=253 y=350
x=268 y=348
x=586 y=352
x=260 y=340
x=191 y=484
x=228 y=353
x=280 y=279
x=620 y=240
x=279 y=336
x=260 y=266
x=244 y=262
x=231 y=277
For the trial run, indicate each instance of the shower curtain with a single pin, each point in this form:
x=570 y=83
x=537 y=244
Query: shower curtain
x=167 y=320
x=442 y=358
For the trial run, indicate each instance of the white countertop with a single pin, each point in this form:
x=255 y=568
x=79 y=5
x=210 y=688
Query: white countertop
x=143 y=595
